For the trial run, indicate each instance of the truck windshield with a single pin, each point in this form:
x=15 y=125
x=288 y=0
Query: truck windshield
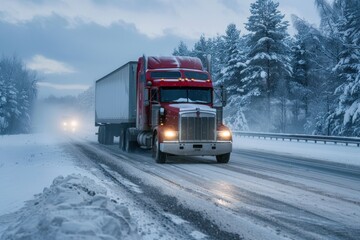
x=181 y=95
x=166 y=75
x=196 y=75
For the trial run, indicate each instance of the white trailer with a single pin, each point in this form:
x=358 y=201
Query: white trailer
x=115 y=102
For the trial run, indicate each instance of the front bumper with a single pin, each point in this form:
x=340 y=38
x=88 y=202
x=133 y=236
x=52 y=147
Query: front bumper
x=196 y=148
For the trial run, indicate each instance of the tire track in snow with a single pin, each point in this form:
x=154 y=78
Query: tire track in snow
x=308 y=224
x=158 y=202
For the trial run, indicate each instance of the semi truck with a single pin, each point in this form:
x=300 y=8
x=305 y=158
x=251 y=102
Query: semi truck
x=166 y=104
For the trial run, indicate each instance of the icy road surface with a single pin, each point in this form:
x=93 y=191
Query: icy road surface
x=260 y=194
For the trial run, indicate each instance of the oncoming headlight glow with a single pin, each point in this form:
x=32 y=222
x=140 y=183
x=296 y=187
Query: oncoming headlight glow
x=73 y=123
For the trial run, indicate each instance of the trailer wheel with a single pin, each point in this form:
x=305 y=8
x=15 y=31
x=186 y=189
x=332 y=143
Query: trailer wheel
x=108 y=135
x=101 y=136
x=158 y=155
x=223 y=158
x=122 y=139
x=129 y=145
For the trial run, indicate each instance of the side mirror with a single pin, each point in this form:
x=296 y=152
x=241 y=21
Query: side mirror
x=219 y=97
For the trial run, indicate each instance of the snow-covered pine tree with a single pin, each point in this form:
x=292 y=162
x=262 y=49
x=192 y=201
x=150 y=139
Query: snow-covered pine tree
x=181 y=50
x=202 y=48
x=17 y=95
x=230 y=77
x=24 y=120
x=268 y=62
x=212 y=46
x=323 y=46
x=282 y=114
x=217 y=58
x=332 y=48
x=345 y=120
x=9 y=111
x=299 y=83
x=331 y=14
x=306 y=62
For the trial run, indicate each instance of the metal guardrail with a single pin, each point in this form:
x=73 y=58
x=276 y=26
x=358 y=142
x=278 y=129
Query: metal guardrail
x=301 y=137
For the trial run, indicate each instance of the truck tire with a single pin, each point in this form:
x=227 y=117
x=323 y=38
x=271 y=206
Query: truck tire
x=122 y=139
x=223 y=158
x=108 y=135
x=101 y=136
x=158 y=155
x=129 y=145
x=98 y=135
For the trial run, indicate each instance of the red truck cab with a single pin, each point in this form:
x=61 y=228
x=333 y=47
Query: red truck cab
x=175 y=110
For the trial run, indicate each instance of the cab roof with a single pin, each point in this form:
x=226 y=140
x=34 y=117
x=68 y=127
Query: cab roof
x=174 y=62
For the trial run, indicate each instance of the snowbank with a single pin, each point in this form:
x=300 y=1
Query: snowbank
x=74 y=207
x=326 y=152
x=28 y=163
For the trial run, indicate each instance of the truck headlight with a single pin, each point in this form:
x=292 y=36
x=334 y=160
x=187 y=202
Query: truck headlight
x=224 y=135
x=170 y=135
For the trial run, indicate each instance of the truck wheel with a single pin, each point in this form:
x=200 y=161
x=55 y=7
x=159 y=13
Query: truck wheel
x=223 y=158
x=101 y=135
x=122 y=140
x=129 y=145
x=158 y=155
x=108 y=135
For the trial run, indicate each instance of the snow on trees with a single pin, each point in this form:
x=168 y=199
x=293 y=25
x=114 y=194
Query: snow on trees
x=230 y=74
x=324 y=47
x=202 y=48
x=310 y=79
x=306 y=84
x=230 y=77
x=346 y=117
x=17 y=95
x=299 y=82
x=181 y=50
x=268 y=65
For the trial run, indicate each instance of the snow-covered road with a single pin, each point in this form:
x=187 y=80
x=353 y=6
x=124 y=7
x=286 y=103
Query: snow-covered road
x=256 y=196
x=260 y=194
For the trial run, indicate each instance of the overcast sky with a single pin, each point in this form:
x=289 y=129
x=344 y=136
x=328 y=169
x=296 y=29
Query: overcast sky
x=71 y=43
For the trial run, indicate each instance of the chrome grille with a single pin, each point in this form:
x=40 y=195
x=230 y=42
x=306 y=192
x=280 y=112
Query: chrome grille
x=194 y=128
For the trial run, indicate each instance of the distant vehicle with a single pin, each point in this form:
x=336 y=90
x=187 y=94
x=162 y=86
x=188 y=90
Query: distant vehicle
x=69 y=124
x=165 y=104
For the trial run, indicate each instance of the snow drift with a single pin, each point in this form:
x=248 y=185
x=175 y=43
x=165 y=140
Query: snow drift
x=74 y=207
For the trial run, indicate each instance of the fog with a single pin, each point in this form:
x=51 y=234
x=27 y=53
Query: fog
x=62 y=118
